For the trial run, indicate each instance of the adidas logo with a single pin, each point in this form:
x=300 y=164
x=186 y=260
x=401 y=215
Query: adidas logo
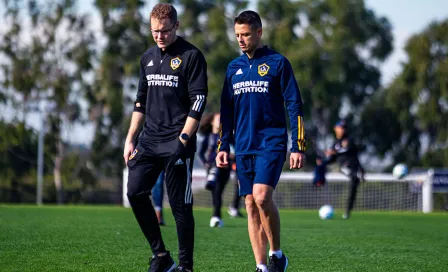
x=150 y=63
x=179 y=162
x=239 y=72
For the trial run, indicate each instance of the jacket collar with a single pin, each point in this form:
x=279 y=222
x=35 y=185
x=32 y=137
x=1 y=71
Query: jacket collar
x=259 y=52
x=172 y=48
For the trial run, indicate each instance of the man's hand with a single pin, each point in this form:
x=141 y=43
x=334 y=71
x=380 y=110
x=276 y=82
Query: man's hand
x=330 y=152
x=222 y=159
x=128 y=149
x=297 y=160
x=183 y=141
x=361 y=175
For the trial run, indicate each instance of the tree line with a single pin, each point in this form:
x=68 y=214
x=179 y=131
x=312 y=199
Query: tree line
x=77 y=69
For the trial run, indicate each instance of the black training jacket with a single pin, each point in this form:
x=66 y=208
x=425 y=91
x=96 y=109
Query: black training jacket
x=172 y=86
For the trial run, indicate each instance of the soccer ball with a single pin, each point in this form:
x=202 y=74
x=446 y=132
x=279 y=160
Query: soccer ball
x=326 y=212
x=400 y=170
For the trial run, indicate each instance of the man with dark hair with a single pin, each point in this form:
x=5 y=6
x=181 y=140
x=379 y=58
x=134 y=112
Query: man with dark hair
x=257 y=86
x=345 y=151
x=170 y=101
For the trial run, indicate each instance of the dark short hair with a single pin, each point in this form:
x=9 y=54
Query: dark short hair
x=163 y=11
x=250 y=18
x=341 y=123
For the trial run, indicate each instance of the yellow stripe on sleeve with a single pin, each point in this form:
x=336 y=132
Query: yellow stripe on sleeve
x=220 y=137
x=300 y=134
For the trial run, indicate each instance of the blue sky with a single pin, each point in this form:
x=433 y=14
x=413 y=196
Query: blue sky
x=407 y=17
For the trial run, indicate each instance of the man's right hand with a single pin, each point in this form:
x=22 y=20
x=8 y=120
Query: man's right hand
x=128 y=149
x=222 y=159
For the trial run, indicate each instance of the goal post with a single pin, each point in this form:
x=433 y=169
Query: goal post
x=427 y=199
x=126 y=203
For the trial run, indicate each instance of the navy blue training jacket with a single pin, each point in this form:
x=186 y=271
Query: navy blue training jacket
x=253 y=100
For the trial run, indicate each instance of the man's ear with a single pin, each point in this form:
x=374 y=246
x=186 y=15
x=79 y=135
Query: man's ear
x=259 y=32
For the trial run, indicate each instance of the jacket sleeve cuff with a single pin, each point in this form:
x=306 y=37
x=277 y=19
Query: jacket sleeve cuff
x=139 y=107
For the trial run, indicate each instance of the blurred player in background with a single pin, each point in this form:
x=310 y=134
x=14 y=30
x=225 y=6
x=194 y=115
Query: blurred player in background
x=217 y=178
x=234 y=208
x=157 y=198
x=208 y=147
x=345 y=152
x=257 y=87
x=320 y=170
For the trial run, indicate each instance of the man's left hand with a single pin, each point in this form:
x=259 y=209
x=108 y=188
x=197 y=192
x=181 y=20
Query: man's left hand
x=297 y=160
x=181 y=146
x=183 y=141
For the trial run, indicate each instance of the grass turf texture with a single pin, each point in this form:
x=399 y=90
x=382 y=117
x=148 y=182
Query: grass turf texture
x=72 y=238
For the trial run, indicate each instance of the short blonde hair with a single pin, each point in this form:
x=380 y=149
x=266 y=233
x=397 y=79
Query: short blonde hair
x=163 y=11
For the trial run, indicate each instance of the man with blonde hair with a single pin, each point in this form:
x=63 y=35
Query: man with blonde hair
x=171 y=98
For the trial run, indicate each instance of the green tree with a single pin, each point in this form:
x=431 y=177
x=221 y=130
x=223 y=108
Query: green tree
x=413 y=126
x=333 y=47
x=49 y=68
x=17 y=159
x=126 y=31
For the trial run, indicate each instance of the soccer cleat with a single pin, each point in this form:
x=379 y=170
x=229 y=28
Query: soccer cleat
x=346 y=216
x=181 y=269
x=234 y=213
x=216 y=222
x=278 y=264
x=162 y=263
x=263 y=268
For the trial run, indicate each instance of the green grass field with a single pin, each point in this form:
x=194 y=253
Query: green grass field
x=108 y=239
